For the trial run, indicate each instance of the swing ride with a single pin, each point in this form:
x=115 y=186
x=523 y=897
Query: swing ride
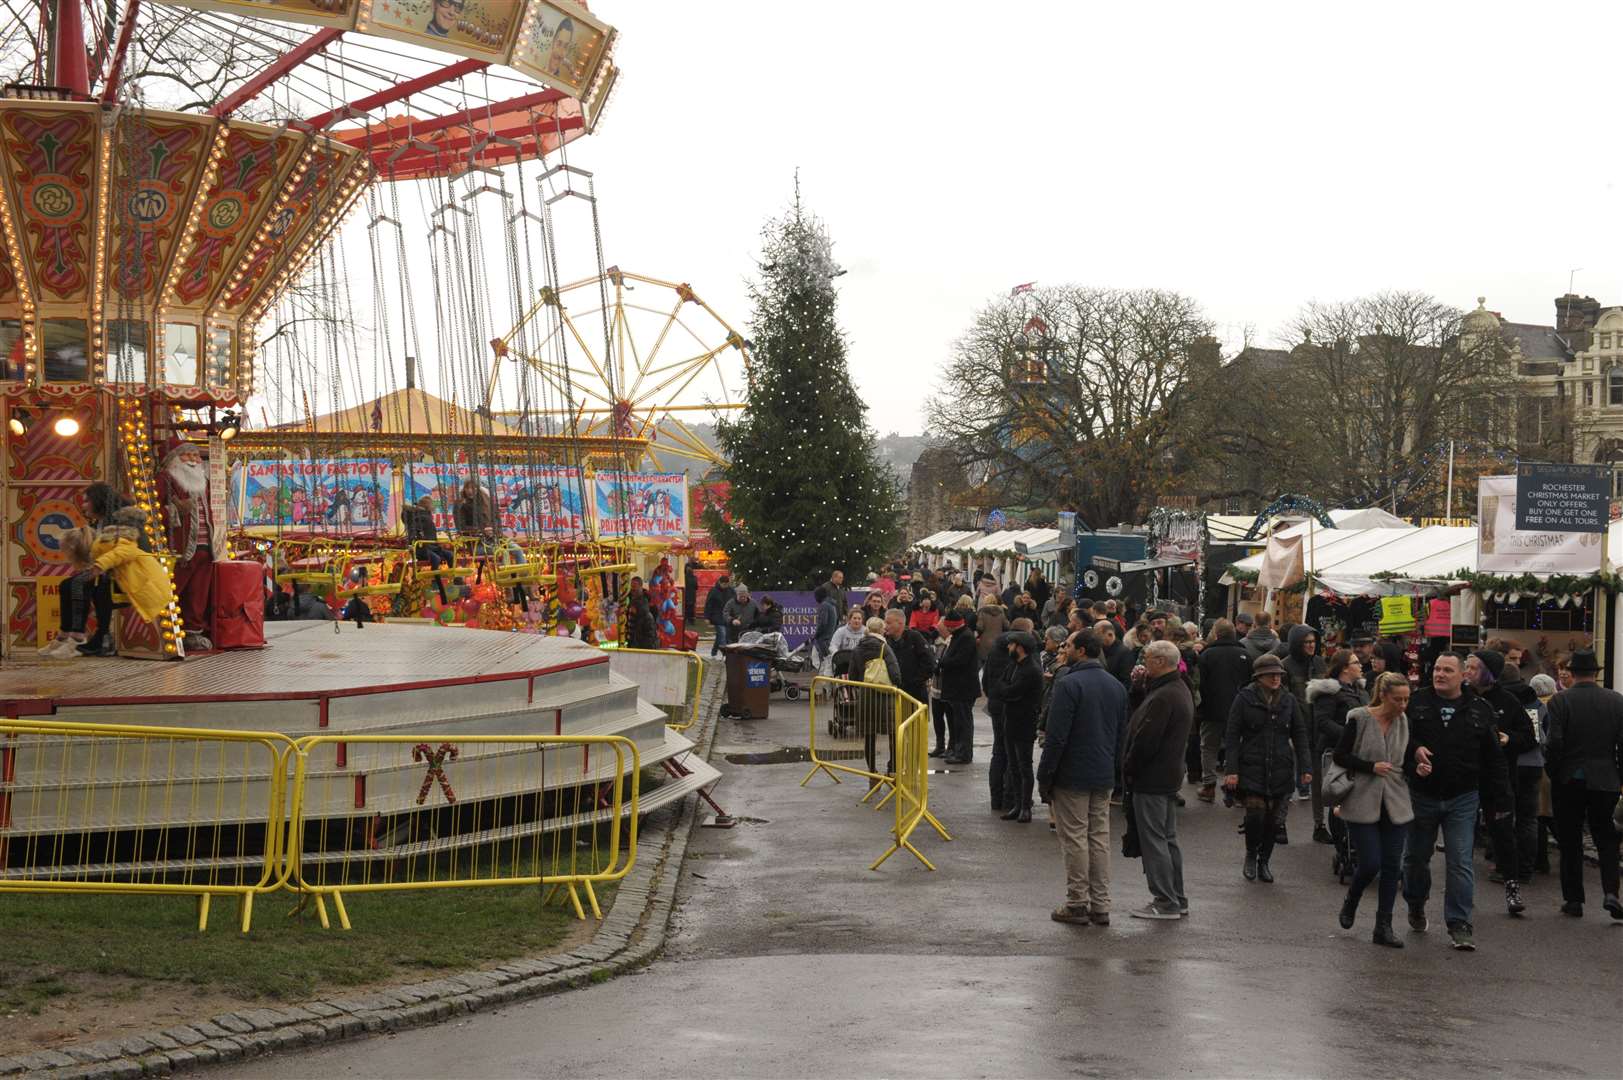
x=175 y=176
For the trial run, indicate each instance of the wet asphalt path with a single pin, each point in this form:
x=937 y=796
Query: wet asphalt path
x=789 y=958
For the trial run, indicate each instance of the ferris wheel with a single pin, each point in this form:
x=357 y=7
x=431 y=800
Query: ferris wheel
x=631 y=357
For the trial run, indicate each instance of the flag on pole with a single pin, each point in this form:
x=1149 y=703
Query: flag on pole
x=1018 y=289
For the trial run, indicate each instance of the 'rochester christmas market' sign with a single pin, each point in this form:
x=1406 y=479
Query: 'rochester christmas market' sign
x=1563 y=498
x=1503 y=548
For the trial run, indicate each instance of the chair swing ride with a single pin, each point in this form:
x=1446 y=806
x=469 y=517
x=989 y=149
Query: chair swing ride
x=173 y=178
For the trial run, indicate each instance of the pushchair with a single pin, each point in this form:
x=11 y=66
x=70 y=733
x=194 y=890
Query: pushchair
x=793 y=673
x=842 y=718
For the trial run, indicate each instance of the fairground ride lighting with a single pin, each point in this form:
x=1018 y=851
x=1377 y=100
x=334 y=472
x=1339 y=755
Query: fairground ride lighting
x=66 y=426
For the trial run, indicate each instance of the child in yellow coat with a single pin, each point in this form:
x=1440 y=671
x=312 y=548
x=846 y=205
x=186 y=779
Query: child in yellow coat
x=114 y=547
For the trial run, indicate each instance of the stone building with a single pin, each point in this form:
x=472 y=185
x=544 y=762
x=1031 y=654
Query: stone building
x=1572 y=371
x=932 y=482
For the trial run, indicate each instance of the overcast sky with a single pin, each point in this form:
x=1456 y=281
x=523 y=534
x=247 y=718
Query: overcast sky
x=1254 y=156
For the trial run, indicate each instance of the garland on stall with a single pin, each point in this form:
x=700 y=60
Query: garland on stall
x=1533 y=585
x=1290 y=504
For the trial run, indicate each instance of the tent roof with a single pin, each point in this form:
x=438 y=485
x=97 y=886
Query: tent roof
x=949 y=539
x=1231 y=528
x=1329 y=546
x=1007 y=538
x=409 y=411
x=1434 y=553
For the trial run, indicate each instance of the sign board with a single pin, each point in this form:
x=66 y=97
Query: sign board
x=1563 y=498
x=1103 y=563
x=47 y=610
x=645 y=506
x=532 y=500
x=1502 y=548
x=757 y=673
x=799 y=611
x=219 y=489
x=329 y=495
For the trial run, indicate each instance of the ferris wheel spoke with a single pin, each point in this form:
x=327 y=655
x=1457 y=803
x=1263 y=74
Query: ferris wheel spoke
x=683 y=441
x=585 y=348
x=630 y=345
x=685 y=377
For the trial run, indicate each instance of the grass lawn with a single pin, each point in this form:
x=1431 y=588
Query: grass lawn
x=58 y=945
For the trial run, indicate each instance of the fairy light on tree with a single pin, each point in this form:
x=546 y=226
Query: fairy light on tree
x=809 y=493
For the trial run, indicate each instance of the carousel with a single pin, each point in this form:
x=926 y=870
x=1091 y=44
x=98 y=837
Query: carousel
x=176 y=280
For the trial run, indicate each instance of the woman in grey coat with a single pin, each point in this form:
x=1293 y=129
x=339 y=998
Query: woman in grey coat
x=1378 y=811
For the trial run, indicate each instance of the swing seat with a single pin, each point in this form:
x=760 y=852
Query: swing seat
x=388 y=589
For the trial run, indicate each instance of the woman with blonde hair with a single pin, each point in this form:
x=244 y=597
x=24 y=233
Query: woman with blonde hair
x=1378 y=810
x=875 y=711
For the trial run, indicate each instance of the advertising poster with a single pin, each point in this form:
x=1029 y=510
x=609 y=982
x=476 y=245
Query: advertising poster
x=1502 y=548
x=533 y=500
x=481 y=29
x=800 y=612
x=320 y=496
x=651 y=506
x=562 y=45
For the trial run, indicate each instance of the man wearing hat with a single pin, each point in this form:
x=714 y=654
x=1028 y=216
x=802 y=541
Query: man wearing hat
x=960 y=685
x=1584 y=757
x=1454 y=764
x=183 y=492
x=1021 y=694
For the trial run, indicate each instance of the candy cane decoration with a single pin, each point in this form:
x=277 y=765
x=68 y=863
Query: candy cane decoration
x=436 y=769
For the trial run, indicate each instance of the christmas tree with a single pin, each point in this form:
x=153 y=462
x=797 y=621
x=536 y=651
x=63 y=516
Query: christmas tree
x=809 y=494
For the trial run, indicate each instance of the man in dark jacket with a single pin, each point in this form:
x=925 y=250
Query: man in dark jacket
x=1224 y=668
x=1087 y=717
x=1584 y=760
x=960 y=686
x=1303 y=664
x=1116 y=657
x=996 y=661
x=1022 y=692
x=741 y=613
x=1485 y=673
x=1261 y=637
x=1454 y=764
x=828 y=621
x=715 y=604
x=1152 y=770
x=913 y=655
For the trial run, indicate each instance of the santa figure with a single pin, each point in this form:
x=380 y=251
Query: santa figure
x=183 y=491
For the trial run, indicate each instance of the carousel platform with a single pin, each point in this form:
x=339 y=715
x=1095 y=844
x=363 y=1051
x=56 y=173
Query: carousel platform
x=376 y=680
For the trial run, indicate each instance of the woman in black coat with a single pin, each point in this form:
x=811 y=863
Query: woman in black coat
x=1267 y=749
x=1330 y=700
x=875 y=709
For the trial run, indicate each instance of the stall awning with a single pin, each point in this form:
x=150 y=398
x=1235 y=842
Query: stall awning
x=1331 y=545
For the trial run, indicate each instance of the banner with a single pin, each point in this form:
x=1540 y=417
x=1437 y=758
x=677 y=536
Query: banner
x=533 y=500
x=642 y=506
x=321 y=496
x=1503 y=548
x=1563 y=498
x=800 y=612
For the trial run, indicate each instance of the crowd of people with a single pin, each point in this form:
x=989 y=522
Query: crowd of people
x=1092 y=705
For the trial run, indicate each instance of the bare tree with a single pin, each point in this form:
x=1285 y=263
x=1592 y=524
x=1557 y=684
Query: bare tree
x=1074 y=397
x=1385 y=382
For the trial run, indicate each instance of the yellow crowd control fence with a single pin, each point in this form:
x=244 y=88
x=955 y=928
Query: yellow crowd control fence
x=669 y=678
x=97 y=808
x=112 y=809
x=850 y=713
x=374 y=813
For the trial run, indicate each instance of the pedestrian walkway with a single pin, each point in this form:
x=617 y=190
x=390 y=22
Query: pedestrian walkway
x=790 y=958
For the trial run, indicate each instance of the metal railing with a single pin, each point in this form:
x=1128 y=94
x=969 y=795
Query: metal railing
x=99 y=808
x=669 y=678
x=855 y=710
x=117 y=809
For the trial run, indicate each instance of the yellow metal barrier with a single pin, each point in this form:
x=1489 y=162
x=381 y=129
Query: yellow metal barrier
x=867 y=708
x=386 y=812
x=669 y=678
x=98 y=808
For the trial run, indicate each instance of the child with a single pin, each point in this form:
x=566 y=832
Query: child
x=78 y=592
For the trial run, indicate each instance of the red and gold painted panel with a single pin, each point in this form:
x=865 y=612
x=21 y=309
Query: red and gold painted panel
x=50 y=160
x=8 y=280
x=309 y=194
x=36 y=520
x=233 y=208
x=156 y=165
x=20 y=618
x=42 y=455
